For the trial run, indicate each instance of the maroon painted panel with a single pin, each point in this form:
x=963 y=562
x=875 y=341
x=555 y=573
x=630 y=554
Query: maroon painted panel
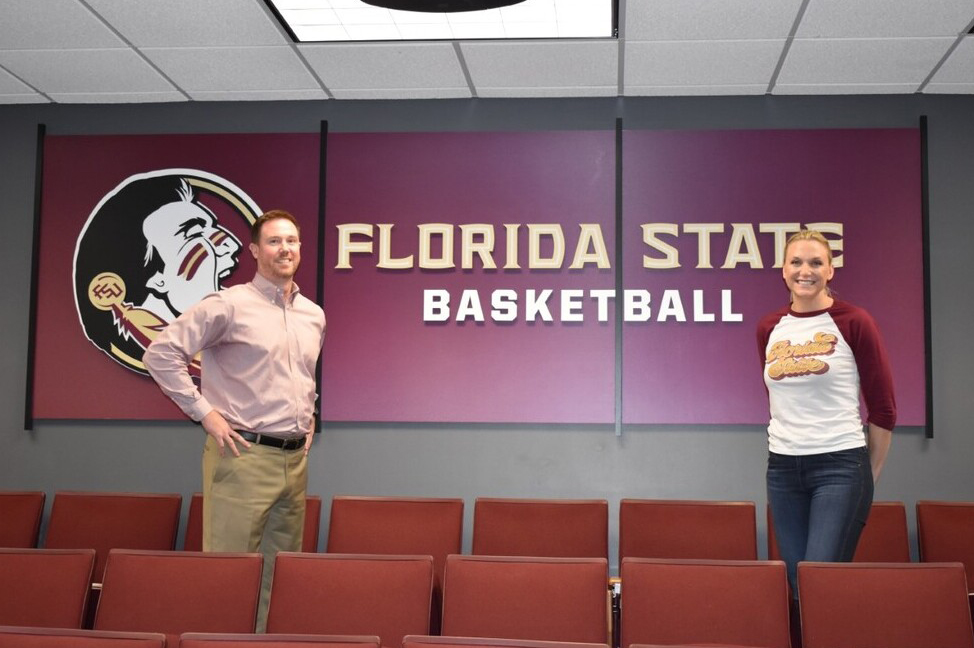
x=866 y=181
x=133 y=230
x=383 y=361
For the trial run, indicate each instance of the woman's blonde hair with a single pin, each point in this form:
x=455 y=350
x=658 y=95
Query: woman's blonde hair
x=810 y=235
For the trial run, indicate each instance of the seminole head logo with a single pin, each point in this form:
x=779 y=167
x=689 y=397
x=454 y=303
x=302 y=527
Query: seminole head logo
x=152 y=247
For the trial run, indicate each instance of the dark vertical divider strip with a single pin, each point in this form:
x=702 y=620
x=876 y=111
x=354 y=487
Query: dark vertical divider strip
x=320 y=294
x=620 y=311
x=34 y=267
x=927 y=319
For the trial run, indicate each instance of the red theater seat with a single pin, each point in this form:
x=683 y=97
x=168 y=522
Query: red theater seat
x=351 y=594
x=689 y=646
x=207 y=640
x=11 y=637
x=687 y=529
x=175 y=592
x=945 y=531
x=45 y=587
x=704 y=601
x=541 y=527
x=21 y=513
x=193 y=540
x=893 y=605
x=545 y=599
x=885 y=537
x=414 y=641
x=399 y=526
x=104 y=521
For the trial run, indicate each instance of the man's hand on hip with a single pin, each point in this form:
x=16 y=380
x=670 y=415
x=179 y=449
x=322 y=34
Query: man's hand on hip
x=218 y=428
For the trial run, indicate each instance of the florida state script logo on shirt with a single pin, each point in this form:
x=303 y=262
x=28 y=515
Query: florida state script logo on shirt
x=787 y=360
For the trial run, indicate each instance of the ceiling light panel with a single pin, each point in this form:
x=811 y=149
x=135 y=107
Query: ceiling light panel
x=352 y=20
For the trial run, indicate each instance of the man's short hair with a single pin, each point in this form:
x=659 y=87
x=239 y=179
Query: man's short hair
x=273 y=214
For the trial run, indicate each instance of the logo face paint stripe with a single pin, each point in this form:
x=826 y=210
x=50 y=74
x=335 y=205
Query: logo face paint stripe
x=218 y=237
x=192 y=262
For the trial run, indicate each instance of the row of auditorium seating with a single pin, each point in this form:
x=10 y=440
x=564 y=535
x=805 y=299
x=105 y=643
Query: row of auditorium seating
x=42 y=638
x=891 y=605
x=59 y=638
x=569 y=528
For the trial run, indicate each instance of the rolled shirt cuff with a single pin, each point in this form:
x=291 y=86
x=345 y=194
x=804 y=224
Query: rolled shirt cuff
x=198 y=409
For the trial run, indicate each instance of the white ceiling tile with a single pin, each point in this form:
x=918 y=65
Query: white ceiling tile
x=869 y=61
x=9 y=84
x=679 y=20
x=949 y=88
x=542 y=92
x=218 y=69
x=404 y=93
x=701 y=63
x=959 y=66
x=542 y=64
x=190 y=23
x=117 y=97
x=84 y=71
x=695 y=91
x=33 y=98
x=259 y=95
x=52 y=24
x=885 y=18
x=217 y=50
x=844 y=88
x=386 y=66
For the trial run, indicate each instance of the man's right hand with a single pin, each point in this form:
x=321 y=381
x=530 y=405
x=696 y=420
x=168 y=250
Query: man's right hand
x=218 y=428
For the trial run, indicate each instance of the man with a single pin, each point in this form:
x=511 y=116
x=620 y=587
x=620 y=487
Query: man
x=260 y=344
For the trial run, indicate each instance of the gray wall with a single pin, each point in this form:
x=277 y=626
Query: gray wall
x=717 y=462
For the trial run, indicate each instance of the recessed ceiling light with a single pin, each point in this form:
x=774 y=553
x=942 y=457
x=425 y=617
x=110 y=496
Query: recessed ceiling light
x=329 y=21
x=441 y=6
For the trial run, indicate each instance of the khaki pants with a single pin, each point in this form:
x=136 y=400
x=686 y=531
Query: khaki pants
x=254 y=502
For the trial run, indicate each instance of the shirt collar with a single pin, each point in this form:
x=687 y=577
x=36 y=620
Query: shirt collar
x=271 y=291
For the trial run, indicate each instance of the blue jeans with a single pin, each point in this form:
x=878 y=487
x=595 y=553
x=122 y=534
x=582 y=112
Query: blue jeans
x=820 y=504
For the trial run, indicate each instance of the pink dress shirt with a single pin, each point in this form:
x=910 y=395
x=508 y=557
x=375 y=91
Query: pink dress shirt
x=259 y=355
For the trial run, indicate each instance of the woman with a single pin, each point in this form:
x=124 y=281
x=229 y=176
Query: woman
x=817 y=354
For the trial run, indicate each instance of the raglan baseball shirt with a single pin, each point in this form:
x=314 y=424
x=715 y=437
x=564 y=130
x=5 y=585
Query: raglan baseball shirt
x=814 y=367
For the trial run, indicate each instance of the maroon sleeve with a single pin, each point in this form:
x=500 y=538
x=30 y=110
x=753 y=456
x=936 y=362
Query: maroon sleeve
x=875 y=377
